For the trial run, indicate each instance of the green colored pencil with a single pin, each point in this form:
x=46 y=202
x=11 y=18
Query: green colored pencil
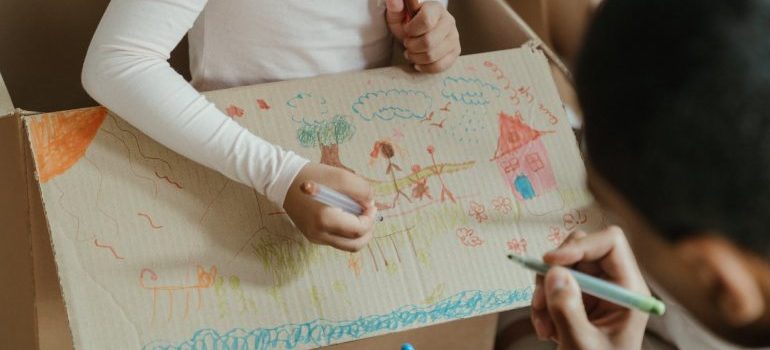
x=600 y=288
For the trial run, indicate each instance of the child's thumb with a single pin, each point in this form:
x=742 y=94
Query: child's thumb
x=395 y=8
x=565 y=305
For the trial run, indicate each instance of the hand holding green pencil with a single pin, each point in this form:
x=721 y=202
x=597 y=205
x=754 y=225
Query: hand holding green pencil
x=576 y=321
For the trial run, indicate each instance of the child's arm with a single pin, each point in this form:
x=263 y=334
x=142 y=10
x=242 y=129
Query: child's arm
x=559 y=312
x=126 y=70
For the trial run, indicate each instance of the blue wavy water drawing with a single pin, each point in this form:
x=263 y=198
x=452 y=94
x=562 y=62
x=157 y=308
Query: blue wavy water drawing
x=393 y=103
x=324 y=332
x=469 y=91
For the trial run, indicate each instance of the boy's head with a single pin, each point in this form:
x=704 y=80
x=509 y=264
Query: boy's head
x=676 y=97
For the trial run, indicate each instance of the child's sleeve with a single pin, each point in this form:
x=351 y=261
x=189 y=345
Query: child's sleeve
x=126 y=70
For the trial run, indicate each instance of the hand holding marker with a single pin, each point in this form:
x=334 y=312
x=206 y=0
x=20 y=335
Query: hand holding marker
x=332 y=198
x=601 y=289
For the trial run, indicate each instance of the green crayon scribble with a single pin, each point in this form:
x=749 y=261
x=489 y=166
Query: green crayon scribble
x=316 y=299
x=435 y=295
x=284 y=258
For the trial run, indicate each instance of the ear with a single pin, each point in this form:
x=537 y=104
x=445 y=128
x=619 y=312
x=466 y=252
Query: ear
x=723 y=268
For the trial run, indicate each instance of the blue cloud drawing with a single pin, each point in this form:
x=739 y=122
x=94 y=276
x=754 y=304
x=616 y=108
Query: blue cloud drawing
x=307 y=108
x=393 y=104
x=469 y=91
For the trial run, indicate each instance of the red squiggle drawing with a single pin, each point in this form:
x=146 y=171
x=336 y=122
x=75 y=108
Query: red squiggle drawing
x=149 y=220
x=96 y=243
x=552 y=118
x=169 y=180
x=277 y=213
x=506 y=83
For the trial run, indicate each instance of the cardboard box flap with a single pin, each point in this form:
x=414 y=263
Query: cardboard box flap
x=155 y=251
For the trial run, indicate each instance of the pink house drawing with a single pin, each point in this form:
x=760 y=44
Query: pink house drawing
x=522 y=158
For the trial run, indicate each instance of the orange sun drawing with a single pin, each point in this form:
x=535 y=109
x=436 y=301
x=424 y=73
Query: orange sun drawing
x=60 y=139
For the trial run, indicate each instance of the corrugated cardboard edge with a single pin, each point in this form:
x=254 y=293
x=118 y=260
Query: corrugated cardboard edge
x=51 y=326
x=17 y=299
x=53 y=331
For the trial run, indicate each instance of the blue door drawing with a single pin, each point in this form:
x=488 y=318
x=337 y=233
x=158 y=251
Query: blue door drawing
x=524 y=187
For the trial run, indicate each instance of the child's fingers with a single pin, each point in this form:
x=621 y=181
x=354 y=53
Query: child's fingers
x=541 y=319
x=565 y=306
x=353 y=186
x=440 y=65
x=342 y=243
x=434 y=54
x=420 y=43
x=581 y=247
x=340 y=223
x=395 y=11
x=608 y=248
x=426 y=19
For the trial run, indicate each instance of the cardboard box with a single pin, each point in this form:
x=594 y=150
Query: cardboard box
x=33 y=308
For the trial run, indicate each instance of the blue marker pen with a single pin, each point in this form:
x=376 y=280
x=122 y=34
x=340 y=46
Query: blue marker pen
x=407 y=346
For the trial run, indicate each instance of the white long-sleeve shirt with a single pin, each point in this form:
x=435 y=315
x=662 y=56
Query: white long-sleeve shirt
x=232 y=43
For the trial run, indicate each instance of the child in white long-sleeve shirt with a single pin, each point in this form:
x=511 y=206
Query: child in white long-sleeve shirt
x=240 y=42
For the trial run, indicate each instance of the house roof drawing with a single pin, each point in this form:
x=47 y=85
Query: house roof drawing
x=514 y=134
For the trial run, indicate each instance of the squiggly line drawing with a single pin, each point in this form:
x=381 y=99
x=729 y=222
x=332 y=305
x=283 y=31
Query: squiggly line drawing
x=500 y=76
x=393 y=104
x=138 y=144
x=149 y=220
x=96 y=243
x=99 y=195
x=164 y=177
x=322 y=332
x=71 y=214
x=131 y=162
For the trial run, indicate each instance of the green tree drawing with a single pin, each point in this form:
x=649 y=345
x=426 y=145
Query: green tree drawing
x=327 y=135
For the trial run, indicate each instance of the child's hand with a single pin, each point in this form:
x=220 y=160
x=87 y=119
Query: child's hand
x=322 y=224
x=576 y=322
x=430 y=39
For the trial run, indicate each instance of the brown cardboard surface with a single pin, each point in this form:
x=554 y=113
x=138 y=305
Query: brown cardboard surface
x=483 y=25
x=17 y=312
x=149 y=241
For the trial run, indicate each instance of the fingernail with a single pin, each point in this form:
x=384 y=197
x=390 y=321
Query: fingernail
x=406 y=54
x=417 y=68
x=553 y=339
